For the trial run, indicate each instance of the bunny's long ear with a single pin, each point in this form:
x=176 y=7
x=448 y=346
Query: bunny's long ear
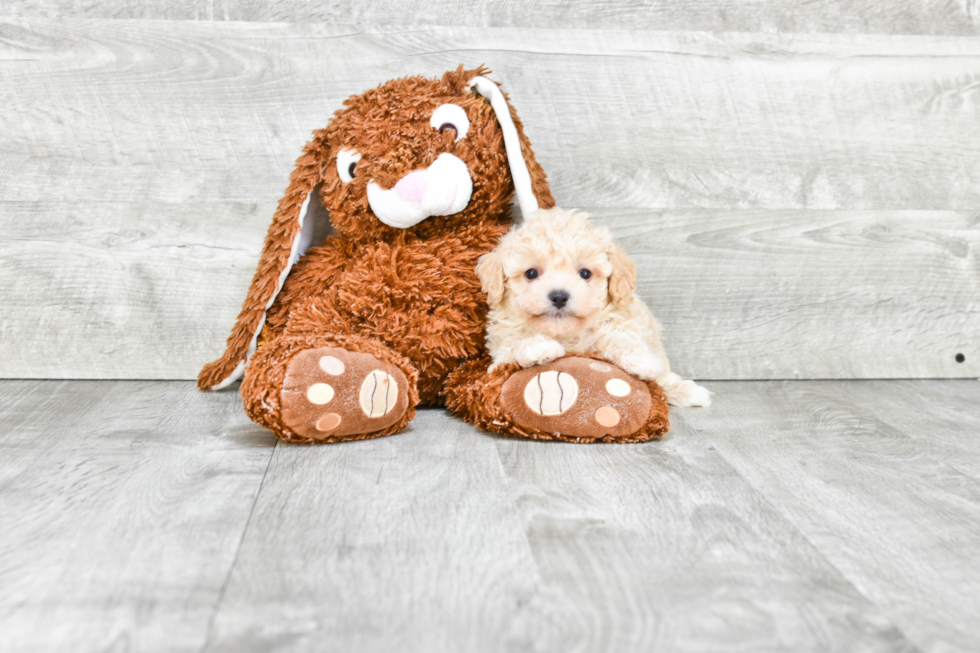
x=530 y=181
x=289 y=235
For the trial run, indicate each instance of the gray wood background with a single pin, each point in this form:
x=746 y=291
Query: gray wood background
x=799 y=184
x=936 y=17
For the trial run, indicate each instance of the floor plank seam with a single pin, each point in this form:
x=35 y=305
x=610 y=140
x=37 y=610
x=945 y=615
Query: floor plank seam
x=791 y=524
x=7 y=410
x=234 y=562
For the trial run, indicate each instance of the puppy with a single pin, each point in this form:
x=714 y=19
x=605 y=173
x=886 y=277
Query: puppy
x=559 y=284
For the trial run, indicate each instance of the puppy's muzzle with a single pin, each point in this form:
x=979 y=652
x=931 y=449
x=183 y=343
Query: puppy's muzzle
x=444 y=188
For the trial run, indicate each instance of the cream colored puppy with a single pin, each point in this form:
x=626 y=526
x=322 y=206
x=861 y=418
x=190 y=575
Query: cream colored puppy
x=559 y=284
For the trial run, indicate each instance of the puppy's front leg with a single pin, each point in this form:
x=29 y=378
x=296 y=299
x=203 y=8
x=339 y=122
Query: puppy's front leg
x=639 y=361
x=537 y=351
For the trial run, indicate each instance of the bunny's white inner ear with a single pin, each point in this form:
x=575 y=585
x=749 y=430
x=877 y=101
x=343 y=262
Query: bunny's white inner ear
x=512 y=142
x=303 y=240
x=316 y=223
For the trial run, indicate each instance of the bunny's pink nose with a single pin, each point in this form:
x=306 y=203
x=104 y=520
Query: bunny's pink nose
x=412 y=186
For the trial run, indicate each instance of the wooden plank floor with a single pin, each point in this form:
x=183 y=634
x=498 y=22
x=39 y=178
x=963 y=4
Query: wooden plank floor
x=790 y=516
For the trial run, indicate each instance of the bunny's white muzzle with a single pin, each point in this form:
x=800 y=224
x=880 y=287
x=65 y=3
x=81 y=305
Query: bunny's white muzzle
x=444 y=188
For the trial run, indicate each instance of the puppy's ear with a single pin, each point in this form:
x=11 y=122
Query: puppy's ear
x=490 y=270
x=622 y=280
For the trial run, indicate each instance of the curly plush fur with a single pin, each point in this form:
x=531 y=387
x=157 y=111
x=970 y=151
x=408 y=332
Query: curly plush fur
x=388 y=313
x=408 y=296
x=475 y=395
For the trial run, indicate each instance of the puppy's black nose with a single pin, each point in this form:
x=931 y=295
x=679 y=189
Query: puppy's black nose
x=558 y=298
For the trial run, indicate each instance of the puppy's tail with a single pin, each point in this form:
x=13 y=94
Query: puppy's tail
x=684 y=392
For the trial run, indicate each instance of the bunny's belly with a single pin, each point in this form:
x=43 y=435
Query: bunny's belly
x=420 y=300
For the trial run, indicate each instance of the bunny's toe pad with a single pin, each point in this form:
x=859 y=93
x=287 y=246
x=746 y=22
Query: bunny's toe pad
x=329 y=393
x=579 y=397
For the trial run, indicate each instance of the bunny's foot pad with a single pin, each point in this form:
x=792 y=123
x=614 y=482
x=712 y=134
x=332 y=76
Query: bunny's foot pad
x=330 y=393
x=579 y=397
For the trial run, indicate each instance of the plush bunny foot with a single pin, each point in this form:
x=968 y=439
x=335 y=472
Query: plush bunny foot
x=582 y=397
x=331 y=394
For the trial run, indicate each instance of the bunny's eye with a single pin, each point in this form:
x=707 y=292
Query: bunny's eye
x=450 y=116
x=347 y=164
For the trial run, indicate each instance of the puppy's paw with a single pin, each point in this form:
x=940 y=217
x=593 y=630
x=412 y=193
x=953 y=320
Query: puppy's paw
x=687 y=393
x=538 y=351
x=643 y=365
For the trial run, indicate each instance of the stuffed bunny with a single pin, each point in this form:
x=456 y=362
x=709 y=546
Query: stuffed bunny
x=342 y=340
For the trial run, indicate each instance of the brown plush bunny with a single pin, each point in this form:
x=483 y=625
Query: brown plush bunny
x=417 y=176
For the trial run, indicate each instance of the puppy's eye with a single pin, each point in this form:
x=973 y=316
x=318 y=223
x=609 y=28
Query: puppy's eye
x=585 y=274
x=531 y=274
x=450 y=116
x=347 y=164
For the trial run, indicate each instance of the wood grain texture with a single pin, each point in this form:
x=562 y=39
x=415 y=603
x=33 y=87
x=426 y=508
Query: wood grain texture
x=116 y=290
x=123 y=506
x=947 y=427
x=810 y=294
x=878 y=489
x=827 y=16
x=741 y=294
x=142 y=161
x=149 y=111
x=800 y=515
x=446 y=539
